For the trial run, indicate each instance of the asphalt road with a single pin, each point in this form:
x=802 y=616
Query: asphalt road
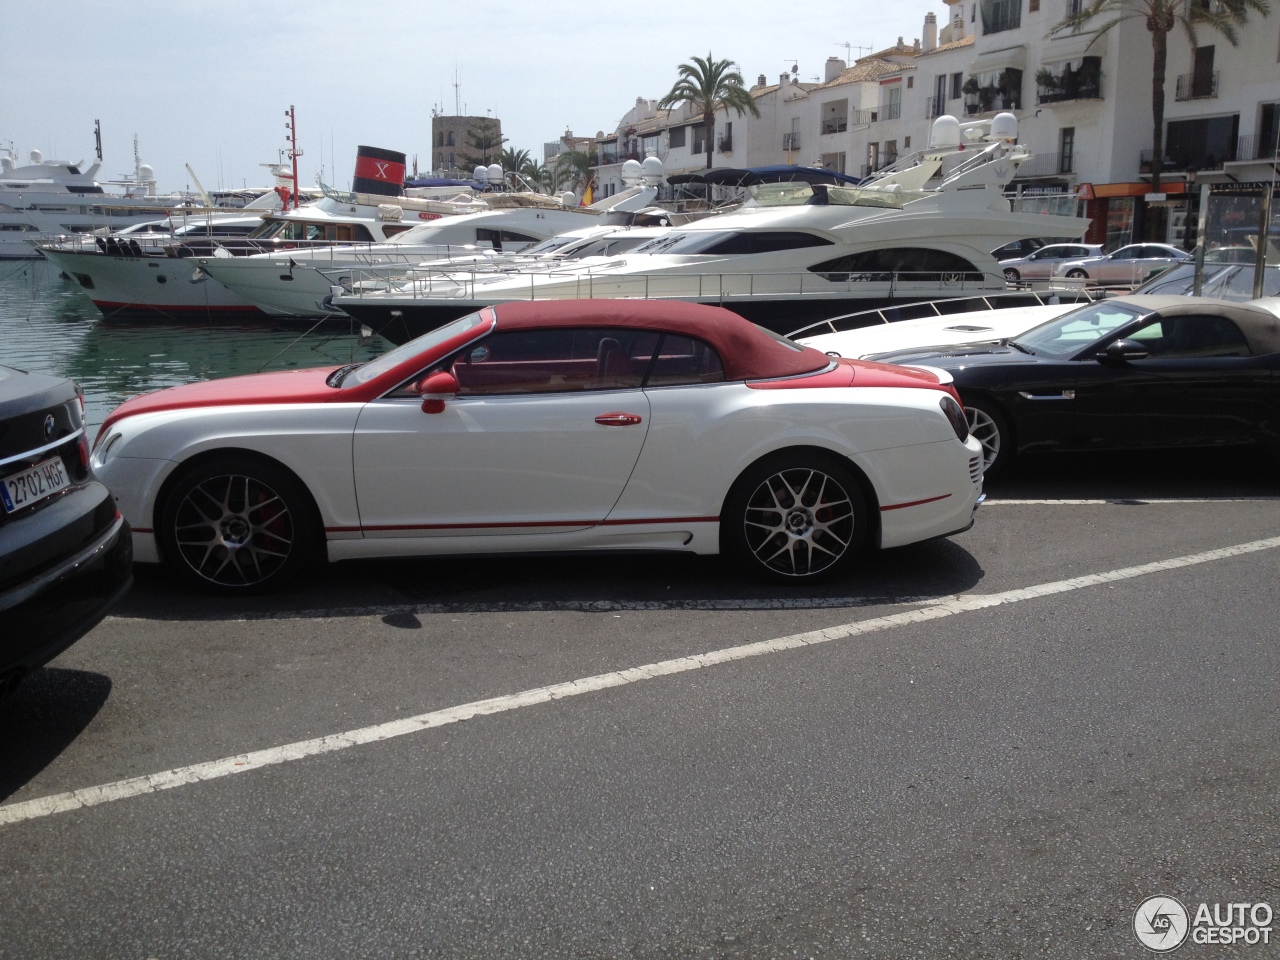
x=996 y=745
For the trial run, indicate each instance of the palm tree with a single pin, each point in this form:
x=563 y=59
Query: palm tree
x=707 y=85
x=514 y=160
x=574 y=167
x=1161 y=16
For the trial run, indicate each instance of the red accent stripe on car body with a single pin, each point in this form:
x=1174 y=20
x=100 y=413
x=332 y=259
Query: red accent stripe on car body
x=913 y=503
x=514 y=525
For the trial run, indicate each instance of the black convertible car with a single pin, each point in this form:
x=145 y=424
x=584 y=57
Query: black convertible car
x=1126 y=373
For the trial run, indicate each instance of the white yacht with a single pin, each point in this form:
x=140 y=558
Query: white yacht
x=41 y=200
x=296 y=282
x=796 y=253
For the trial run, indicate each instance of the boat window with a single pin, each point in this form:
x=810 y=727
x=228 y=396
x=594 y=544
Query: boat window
x=498 y=237
x=395 y=229
x=555 y=361
x=1068 y=335
x=603 y=247
x=902 y=263
x=685 y=243
x=551 y=244
x=769 y=241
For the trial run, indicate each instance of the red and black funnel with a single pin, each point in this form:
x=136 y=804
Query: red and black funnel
x=379 y=171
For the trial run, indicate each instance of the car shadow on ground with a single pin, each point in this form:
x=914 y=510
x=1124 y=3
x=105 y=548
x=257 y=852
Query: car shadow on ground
x=560 y=582
x=47 y=712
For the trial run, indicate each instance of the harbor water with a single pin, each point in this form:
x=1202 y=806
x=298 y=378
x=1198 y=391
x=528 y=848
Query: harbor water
x=49 y=325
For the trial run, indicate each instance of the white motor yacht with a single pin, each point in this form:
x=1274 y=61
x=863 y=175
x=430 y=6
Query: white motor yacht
x=41 y=200
x=294 y=282
x=797 y=253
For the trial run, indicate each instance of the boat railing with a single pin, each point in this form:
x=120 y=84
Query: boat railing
x=425 y=282
x=1022 y=297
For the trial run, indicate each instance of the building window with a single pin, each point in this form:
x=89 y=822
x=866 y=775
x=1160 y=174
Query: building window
x=1067 y=150
x=911 y=82
x=677 y=137
x=906 y=143
x=1074 y=7
x=1033 y=6
x=1001 y=15
x=957 y=81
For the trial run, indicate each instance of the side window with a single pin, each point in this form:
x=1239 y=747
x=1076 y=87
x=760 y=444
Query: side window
x=1172 y=338
x=682 y=361
x=554 y=361
x=910 y=263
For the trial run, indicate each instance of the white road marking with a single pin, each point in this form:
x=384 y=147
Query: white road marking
x=242 y=763
x=1122 y=501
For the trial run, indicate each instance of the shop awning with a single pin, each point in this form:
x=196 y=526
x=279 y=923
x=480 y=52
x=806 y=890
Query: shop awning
x=1073 y=46
x=994 y=61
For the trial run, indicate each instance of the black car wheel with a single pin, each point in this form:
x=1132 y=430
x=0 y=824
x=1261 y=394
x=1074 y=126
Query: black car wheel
x=989 y=426
x=794 y=518
x=238 y=524
x=1012 y=275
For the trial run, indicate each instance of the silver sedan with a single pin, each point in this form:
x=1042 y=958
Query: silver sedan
x=1040 y=264
x=1128 y=266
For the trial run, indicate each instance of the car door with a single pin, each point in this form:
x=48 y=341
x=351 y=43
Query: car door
x=1198 y=385
x=542 y=436
x=1122 y=266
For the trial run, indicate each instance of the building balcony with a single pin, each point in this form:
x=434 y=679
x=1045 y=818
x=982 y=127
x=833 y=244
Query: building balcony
x=725 y=144
x=835 y=125
x=791 y=141
x=864 y=117
x=890 y=111
x=1084 y=83
x=1257 y=147
x=1192 y=160
x=1197 y=86
x=1043 y=165
x=935 y=107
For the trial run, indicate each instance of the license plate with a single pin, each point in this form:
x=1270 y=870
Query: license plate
x=33 y=484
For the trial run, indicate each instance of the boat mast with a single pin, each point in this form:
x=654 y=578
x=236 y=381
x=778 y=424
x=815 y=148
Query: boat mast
x=97 y=138
x=294 y=152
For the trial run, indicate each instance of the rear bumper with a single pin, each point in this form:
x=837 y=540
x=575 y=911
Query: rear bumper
x=47 y=613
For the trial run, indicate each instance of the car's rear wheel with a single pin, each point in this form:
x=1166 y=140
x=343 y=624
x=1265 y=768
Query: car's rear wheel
x=238 y=525
x=1012 y=275
x=795 y=518
x=1077 y=274
x=990 y=427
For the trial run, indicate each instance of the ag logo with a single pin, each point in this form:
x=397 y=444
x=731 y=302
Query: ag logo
x=1160 y=924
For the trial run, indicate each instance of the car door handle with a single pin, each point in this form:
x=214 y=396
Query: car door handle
x=618 y=419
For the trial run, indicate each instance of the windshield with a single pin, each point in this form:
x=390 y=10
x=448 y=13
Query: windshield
x=684 y=242
x=1232 y=282
x=1068 y=335
x=393 y=358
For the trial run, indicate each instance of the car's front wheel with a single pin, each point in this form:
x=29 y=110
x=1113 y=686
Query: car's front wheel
x=795 y=518
x=238 y=524
x=989 y=426
x=1012 y=275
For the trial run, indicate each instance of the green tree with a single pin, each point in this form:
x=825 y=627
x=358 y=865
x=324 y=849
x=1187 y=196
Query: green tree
x=1161 y=17
x=517 y=161
x=707 y=85
x=483 y=146
x=573 y=167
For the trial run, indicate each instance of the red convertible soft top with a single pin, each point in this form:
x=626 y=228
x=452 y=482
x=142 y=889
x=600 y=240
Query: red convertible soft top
x=747 y=351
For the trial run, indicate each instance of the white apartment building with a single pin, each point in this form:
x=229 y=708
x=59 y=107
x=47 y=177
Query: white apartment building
x=1083 y=103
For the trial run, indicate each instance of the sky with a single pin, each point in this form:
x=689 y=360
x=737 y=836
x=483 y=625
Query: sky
x=208 y=82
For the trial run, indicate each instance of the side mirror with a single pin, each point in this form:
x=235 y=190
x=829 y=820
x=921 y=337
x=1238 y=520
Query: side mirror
x=1122 y=351
x=436 y=389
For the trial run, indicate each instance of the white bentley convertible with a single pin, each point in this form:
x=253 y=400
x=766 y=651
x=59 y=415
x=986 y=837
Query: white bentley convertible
x=546 y=427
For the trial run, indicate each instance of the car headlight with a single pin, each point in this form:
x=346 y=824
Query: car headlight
x=106 y=449
x=955 y=414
